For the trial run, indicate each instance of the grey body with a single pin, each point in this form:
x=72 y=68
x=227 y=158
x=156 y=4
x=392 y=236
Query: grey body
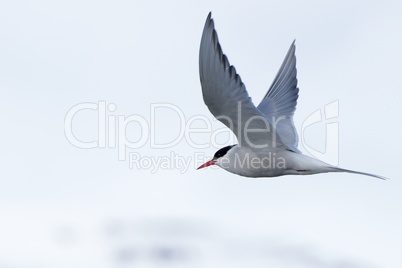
x=274 y=162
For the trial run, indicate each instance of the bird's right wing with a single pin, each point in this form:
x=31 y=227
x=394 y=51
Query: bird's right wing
x=279 y=104
x=226 y=97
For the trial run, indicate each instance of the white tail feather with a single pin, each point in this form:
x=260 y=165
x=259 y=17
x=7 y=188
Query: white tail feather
x=336 y=169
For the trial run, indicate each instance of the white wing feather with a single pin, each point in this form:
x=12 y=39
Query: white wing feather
x=279 y=104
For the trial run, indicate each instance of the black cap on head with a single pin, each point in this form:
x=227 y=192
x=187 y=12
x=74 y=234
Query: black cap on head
x=221 y=152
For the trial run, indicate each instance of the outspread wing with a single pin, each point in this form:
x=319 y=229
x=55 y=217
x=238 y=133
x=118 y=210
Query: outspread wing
x=279 y=104
x=226 y=97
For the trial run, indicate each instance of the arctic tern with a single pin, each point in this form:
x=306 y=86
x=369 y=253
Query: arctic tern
x=266 y=134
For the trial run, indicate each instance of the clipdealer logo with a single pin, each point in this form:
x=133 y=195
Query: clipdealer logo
x=112 y=133
x=112 y=129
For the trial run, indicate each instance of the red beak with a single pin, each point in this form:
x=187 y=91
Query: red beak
x=207 y=164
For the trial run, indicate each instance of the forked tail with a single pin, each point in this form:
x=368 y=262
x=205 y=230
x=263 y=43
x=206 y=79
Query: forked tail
x=336 y=169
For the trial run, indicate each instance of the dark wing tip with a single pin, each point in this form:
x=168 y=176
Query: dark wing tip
x=209 y=19
x=292 y=47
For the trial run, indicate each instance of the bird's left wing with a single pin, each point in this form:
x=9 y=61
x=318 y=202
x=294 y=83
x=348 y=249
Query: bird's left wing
x=226 y=96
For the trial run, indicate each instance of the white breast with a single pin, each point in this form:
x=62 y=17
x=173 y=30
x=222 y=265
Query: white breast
x=254 y=163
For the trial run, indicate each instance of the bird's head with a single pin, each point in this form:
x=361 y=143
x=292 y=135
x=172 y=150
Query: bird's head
x=219 y=154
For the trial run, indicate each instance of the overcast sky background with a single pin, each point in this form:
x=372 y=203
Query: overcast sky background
x=62 y=206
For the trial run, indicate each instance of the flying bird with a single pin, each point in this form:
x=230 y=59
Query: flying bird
x=267 y=137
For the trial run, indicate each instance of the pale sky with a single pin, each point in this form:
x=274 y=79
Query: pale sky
x=63 y=206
